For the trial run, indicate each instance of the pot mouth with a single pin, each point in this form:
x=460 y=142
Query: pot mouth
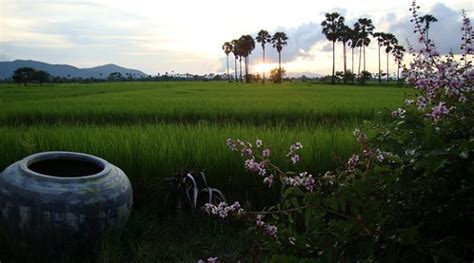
x=65 y=165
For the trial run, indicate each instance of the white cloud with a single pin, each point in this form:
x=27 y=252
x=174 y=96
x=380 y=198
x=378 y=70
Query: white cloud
x=186 y=35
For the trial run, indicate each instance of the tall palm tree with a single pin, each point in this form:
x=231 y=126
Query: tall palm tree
x=366 y=29
x=247 y=46
x=331 y=28
x=263 y=38
x=236 y=52
x=227 y=47
x=354 y=39
x=428 y=19
x=389 y=42
x=398 y=53
x=279 y=40
x=359 y=42
x=379 y=36
x=344 y=36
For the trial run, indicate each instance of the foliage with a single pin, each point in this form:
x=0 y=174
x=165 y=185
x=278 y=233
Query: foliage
x=276 y=74
x=23 y=75
x=408 y=193
x=364 y=77
x=26 y=74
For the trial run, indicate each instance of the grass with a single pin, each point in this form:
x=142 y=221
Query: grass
x=152 y=130
x=131 y=103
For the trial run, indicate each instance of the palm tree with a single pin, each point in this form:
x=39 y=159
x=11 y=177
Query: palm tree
x=358 y=42
x=379 y=36
x=227 y=47
x=279 y=40
x=366 y=29
x=344 y=36
x=263 y=37
x=389 y=42
x=331 y=28
x=427 y=19
x=236 y=52
x=398 y=55
x=247 y=46
x=353 y=40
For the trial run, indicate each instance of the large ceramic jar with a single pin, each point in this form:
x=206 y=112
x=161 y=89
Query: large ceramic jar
x=60 y=198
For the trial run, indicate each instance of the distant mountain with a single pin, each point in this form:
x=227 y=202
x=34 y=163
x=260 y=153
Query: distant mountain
x=8 y=67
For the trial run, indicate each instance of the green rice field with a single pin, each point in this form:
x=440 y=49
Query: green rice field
x=154 y=129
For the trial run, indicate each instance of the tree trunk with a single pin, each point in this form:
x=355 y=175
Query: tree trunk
x=246 y=60
x=333 y=61
x=398 y=73
x=228 y=76
x=263 y=80
x=235 y=71
x=352 y=77
x=363 y=47
x=388 y=74
x=380 y=70
x=345 y=62
x=240 y=62
x=279 y=67
x=360 y=59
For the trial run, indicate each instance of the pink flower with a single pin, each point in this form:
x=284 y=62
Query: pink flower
x=270 y=230
x=266 y=153
x=400 y=113
x=268 y=180
x=438 y=111
x=295 y=158
x=258 y=143
x=352 y=162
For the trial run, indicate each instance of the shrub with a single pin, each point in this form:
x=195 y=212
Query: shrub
x=408 y=194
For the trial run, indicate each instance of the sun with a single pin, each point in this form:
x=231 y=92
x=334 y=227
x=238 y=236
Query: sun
x=264 y=67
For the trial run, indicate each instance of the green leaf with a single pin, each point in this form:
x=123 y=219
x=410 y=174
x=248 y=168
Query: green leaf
x=293 y=191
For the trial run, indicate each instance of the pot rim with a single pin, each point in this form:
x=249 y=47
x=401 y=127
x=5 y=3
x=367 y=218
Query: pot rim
x=52 y=155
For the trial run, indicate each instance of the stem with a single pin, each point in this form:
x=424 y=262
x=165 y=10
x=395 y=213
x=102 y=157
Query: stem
x=355 y=219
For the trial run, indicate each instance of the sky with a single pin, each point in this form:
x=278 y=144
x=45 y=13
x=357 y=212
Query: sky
x=186 y=36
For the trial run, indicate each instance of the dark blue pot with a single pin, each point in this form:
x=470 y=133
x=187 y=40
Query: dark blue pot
x=52 y=199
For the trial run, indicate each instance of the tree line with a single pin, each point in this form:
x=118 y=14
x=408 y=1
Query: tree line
x=243 y=47
x=334 y=28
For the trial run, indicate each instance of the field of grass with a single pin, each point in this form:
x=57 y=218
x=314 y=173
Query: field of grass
x=152 y=130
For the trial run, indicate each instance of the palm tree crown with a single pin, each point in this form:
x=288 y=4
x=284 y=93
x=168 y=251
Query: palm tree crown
x=247 y=45
x=428 y=19
x=279 y=40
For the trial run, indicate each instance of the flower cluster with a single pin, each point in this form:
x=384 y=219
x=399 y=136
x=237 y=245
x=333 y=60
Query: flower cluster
x=352 y=162
x=293 y=154
x=223 y=209
x=303 y=179
x=360 y=137
x=267 y=229
x=442 y=82
x=259 y=164
x=399 y=113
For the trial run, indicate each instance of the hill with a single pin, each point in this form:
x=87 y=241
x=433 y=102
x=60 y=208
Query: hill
x=8 y=67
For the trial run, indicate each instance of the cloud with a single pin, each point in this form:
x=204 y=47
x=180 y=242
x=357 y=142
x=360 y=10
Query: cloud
x=326 y=47
x=446 y=33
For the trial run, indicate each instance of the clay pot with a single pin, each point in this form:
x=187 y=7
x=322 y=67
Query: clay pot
x=57 y=199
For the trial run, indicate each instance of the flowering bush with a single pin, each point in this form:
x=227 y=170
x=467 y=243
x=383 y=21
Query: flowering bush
x=408 y=193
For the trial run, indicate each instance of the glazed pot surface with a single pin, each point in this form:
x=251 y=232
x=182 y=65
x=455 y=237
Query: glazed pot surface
x=57 y=198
